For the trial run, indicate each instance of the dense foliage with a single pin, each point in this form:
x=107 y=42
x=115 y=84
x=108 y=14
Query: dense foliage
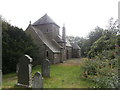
x=102 y=67
x=102 y=47
x=102 y=73
x=97 y=34
x=15 y=43
x=86 y=43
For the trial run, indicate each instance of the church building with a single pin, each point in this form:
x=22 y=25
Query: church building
x=53 y=46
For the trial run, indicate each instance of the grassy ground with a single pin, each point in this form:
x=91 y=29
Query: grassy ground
x=64 y=75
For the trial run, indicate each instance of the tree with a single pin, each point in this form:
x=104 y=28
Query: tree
x=82 y=42
x=106 y=41
x=15 y=43
x=112 y=28
x=95 y=35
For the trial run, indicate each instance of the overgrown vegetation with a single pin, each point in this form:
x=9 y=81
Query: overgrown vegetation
x=102 y=67
x=15 y=43
x=102 y=47
x=101 y=72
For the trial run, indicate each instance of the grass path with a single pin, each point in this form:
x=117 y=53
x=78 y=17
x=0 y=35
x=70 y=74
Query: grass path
x=63 y=75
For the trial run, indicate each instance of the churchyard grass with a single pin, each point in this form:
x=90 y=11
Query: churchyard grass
x=9 y=80
x=65 y=75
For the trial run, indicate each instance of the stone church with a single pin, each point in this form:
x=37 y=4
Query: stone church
x=53 y=46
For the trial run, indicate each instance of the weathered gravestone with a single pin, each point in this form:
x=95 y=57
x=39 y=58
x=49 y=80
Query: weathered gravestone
x=37 y=80
x=24 y=68
x=46 y=68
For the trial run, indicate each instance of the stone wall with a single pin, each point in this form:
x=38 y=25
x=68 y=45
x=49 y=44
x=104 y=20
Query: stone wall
x=40 y=45
x=50 y=30
x=75 y=53
x=53 y=57
x=68 y=52
x=44 y=50
x=49 y=54
x=57 y=58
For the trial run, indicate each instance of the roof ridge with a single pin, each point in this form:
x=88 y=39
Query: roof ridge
x=44 y=20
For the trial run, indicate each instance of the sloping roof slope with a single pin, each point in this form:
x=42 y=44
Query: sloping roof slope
x=68 y=43
x=75 y=46
x=44 y=20
x=49 y=43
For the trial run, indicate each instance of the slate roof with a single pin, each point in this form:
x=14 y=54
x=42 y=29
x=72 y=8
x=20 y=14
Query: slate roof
x=75 y=46
x=51 y=44
x=68 y=43
x=44 y=20
x=59 y=38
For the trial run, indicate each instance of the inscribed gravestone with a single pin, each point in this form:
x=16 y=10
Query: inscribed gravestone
x=24 y=69
x=37 y=80
x=46 y=68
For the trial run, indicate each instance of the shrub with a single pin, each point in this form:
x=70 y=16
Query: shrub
x=99 y=72
x=90 y=66
x=109 y=80
x=102 y=44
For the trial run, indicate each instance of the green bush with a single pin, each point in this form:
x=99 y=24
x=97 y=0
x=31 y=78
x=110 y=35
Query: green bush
x=101 y=73
x=109 y=80
x=101 y=45
x=90 y=66
x=104 y=57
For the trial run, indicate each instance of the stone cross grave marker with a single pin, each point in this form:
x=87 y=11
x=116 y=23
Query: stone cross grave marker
x=46 y=68
x=37 y=80
x=24 y=69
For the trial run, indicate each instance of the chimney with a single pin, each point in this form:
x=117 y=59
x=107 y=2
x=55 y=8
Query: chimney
x=64 y=42
x=64 y=33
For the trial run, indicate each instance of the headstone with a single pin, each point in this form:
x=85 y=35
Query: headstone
x=24 y=69
x=37 y=80
x=46 y=68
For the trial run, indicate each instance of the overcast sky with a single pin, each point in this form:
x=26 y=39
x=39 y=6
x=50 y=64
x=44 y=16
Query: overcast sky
x=79 y=16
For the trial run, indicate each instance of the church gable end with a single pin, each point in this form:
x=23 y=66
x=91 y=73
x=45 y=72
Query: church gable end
x=45 y=34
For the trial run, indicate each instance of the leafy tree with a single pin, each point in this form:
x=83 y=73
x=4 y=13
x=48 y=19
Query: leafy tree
x=15 y=43
x=86 y=43
x=95 y=35
x=106 y=53
x=106 y=41
x=82 y=42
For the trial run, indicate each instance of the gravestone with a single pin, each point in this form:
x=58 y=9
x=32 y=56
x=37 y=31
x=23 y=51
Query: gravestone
x=46 y=68
x=37 y=80
x=24 y=68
